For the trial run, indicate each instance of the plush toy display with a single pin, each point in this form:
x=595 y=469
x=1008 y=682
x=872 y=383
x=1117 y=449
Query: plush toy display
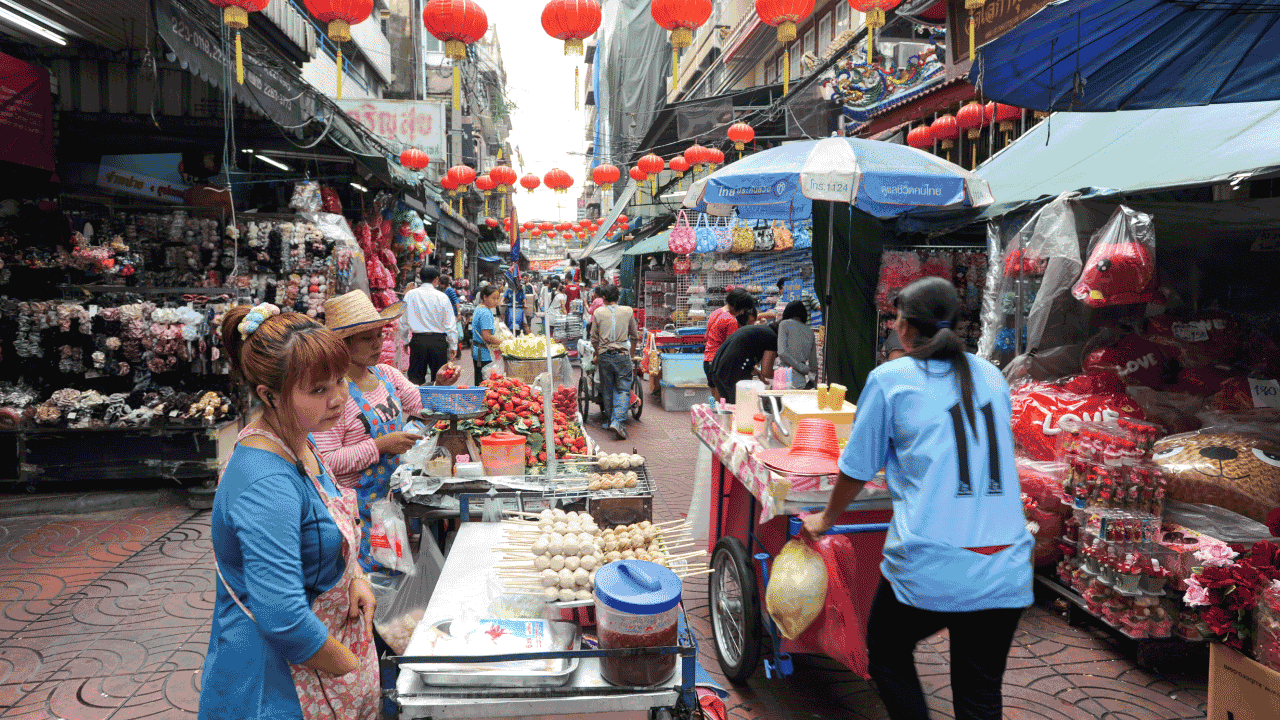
x=1134 y=359
x=1122 y=267
x=1235 y=470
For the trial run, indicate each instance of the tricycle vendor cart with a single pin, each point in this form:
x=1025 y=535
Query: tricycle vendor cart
x=751 y=512
x=461 y=592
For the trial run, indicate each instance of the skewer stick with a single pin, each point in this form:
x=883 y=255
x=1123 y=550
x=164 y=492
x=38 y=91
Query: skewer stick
x=524 y=593
x=694 y=573
x=520 y=512
x=687 y=555
x=674 y=523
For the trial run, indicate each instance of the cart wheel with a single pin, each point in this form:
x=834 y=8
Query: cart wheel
x=584 y=396
x=660 y=713
x=637 y=397
x=735 y=610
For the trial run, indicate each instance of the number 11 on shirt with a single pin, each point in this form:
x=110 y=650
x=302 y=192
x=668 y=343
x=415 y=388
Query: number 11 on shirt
x=965 y=486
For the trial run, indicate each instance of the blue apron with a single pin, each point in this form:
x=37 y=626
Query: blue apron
x=375 y=481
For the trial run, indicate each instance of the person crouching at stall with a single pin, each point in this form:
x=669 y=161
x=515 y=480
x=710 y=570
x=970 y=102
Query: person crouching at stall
x=364 y=446
x=958 y=553
x=484 y=329
x=748 y=353
x=293 y=614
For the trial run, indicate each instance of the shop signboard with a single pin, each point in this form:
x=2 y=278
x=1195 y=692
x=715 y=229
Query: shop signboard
x=155 y=176
x=276 y=94
x=404 y=123
x=993 y=19
x=26 y=114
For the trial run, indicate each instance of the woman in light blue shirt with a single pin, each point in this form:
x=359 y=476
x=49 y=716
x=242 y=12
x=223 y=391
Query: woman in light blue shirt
x=958 y=554
x=484 y=328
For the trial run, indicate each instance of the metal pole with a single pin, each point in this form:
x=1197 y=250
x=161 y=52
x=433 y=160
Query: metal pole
x=548 y=414
x=826 y=310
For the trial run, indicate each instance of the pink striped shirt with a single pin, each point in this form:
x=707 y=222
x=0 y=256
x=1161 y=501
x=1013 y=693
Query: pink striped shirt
x=347 y=448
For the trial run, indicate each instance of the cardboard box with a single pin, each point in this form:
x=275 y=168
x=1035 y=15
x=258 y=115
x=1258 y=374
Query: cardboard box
x=1240 y=688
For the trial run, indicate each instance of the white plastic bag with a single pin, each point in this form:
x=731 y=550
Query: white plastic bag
x=797 y=591
x=496 y=366
x=388 y=537
x=399 y=614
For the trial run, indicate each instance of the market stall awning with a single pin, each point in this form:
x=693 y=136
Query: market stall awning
x=1102 y=55
x=655 y=244
x=1135 y=151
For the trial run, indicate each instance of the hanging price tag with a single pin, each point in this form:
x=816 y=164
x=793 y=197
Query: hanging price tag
x=1266 y=393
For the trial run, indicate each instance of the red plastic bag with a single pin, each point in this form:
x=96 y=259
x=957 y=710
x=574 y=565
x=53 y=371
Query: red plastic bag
x=840 y=630
x=1121 y=269
x=1204 y=339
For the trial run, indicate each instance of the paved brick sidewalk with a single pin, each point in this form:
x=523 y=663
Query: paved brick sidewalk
x=106 y=615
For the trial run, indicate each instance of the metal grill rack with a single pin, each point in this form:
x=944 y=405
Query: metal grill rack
x=645 y=486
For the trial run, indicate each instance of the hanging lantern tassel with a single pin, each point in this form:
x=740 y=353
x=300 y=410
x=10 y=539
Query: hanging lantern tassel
x=786 y=34
x=875 y=19
x=681 y=37
x=339 y=32
x=457 y=51
x=502 y=204
x=972 y=6
x=575 y=84
x=238 y=18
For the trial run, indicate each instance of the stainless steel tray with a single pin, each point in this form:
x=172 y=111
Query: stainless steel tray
x=460 y=676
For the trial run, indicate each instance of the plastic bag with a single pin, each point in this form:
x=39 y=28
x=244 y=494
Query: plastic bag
x=1121 y=269
x=494 y=366
x=1040 y=408
x=388 y=536
x=398 y=616
x=306 y=197
x=1053 y=364
x=797 y=589
x=840 y=630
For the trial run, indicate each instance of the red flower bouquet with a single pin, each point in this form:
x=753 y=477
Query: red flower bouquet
x=1228 y=587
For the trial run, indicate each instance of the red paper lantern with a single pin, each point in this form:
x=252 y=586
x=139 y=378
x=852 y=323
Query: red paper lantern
x=558 y=180
x=920 y=137
x=563 y=226
x=874 y=10
x=946 y=129
x=341 y=15
x=680 y=18
x=605 y=175
x=637 y=174
x=449 y=184
x=535 y=233
x=696 y=155
x=741 y=134
x=571 y=21
x=504 y=176
x=622 y=219
x=651 y=164
x=414 y=159
x=678 y=165
x=528 y=225
x=715 y=156
x=547 y=226
x=971 y=118
x=456 y=23
x=530 y=182
x=462 y=175
x=553 y=234
x=1003 y=114
x=235 y=14
x=491 y=222
x=485 y=184
x=783 y=15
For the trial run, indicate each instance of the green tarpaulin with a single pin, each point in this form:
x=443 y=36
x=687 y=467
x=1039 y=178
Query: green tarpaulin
x=655 y=244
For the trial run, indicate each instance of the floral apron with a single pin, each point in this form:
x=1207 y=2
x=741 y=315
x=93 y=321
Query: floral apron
x=356 y=695
x=375 y=481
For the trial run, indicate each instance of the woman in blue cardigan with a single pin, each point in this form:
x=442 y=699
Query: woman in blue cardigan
x=293 y=620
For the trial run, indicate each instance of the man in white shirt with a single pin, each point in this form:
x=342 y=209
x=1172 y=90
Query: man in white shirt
x=430 y=317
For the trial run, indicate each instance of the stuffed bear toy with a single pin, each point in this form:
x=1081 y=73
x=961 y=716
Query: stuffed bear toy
x=1233 y=470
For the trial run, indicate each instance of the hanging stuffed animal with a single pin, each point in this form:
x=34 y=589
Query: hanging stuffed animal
x=1121 y=270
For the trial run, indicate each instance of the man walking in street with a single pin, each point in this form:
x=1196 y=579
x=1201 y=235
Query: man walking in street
x=434 y=326
x=614 y=335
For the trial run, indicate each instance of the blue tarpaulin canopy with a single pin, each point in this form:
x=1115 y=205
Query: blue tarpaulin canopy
x=1103 y=55
x=1145 y=150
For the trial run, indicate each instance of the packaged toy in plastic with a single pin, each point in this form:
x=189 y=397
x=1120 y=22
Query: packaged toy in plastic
x=1121 y=269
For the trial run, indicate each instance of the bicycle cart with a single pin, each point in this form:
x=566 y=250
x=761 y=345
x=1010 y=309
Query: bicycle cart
x=579 y=687
x=749 y=525
x=590 y=389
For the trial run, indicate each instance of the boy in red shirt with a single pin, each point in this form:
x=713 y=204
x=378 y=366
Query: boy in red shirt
x=721 y=324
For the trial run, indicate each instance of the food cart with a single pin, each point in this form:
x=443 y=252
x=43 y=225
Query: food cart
x=753 y=513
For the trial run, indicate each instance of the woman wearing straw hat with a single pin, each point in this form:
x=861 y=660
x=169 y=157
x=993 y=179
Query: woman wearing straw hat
x=958 y=553
x=363 y=449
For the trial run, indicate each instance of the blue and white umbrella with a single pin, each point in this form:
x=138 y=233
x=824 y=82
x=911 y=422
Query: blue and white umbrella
x=882 y=179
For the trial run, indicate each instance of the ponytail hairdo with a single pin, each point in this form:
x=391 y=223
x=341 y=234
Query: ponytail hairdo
x=930 y=305
x=281 y=353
